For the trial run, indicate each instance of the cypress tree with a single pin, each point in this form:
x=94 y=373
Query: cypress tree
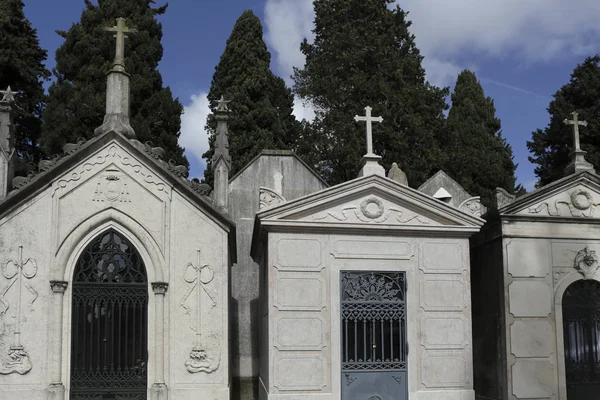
x=551 y=147
x=22 y=68
x=76 y=102
x=478 y=156
x=261 y=105
x=364 y=55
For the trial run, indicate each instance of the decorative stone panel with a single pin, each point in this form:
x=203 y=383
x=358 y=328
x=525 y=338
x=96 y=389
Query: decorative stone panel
x=392 y=249
x=530 y=299
x=444 y=332
x=299 y=253
x=533 y=379
x=532 y=338
x=445 y=369
x=300 y=332
x=442 y=258
x=302 y=373
x=529 y=258
x=443 y=294
x=300 y=294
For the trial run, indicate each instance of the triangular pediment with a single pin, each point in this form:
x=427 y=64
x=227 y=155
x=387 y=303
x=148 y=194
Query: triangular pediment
x=93 y=162
x=575 y=196
x=370 y=202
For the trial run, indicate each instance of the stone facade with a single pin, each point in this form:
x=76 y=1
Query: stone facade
x=110 y=184
x=270 y=179
x=368 y=224
x=522 y=263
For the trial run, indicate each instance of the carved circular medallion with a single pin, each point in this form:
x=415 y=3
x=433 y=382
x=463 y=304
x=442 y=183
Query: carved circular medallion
x=372 y=207
x=581 y=199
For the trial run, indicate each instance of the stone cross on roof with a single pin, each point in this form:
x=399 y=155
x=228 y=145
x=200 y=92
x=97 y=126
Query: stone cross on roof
x=369 y=119
x=576 y=124
x=121 y=30
x=8 y=96
x=578 y=161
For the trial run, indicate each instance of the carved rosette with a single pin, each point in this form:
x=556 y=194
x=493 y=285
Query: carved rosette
x=372 y=207
x=268 y=197
x=586 y=262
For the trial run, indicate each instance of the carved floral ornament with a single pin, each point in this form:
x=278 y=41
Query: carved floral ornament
x=580 y=203
x=269 y=197
x=586 y=262
x=372 y=210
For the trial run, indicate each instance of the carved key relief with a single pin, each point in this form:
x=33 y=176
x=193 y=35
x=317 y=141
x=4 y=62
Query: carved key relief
x=374 y=210
x=16 y=304
x=580 y=202
x=205 y=355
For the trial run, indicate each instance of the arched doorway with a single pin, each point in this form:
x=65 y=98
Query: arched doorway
x=581 y=328
x=109 y=340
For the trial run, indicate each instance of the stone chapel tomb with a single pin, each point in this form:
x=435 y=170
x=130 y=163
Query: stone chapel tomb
x=115 y=268
x=536 y=290
x=365 y=293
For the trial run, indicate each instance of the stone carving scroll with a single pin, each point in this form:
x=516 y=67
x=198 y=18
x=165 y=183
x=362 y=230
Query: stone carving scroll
x=503 y=198
x=473 y=206
x=17 y=272
x=269 y=197
x=371 y=210
x=580 y=204
x=202 y=358
x=586 y=262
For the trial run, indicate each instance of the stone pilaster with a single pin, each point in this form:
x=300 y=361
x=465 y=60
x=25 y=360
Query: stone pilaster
x=56 y=389
x=159 y=388
x=7 y=143
x=221 y=158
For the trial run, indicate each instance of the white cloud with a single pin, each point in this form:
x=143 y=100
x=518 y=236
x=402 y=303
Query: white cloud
x=530 y=30
x=533 y=30
x=193 y=136
x=303 y=111
x=287 y=23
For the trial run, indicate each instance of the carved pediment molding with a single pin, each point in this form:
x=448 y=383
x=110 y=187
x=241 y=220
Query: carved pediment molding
x=113 y=154
x=579 y=203
x=473 y=206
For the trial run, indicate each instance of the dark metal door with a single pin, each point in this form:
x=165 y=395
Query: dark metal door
x=109 y=341
x=374 y=343
x=581 y=325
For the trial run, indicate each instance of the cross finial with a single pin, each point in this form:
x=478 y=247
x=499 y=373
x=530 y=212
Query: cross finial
x=576 y=124
x=222 y=104
x=369 y=119
x=120 y=30
x=8 y=96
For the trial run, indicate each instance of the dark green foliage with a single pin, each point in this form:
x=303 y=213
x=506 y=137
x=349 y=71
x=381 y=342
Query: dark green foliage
x=76 y=103
x=261 y=105
x=22 y=68
x=364 y=55
x=551 y=147
x=478 y=157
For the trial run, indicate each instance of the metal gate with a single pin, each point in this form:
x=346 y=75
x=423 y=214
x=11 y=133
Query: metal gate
x=581 y=324
x=109 y=349
x=374 y=343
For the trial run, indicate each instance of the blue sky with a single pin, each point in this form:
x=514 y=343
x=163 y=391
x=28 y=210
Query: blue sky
x=523 y=51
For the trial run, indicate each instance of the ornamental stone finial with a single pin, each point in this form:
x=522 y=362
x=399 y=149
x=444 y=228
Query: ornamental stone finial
x=8 y=96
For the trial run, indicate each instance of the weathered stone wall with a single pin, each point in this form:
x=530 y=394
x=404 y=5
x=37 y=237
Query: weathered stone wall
x=279 y=171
